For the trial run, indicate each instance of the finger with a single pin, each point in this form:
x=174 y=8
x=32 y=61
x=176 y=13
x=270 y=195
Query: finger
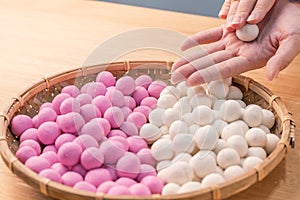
x=288 y=49
x=232 y=11
x=260 y=10
x=186 y=70
x=243 y=11
x=203 y=37
x=225 y=69
x=225 y=9
x=198 y=53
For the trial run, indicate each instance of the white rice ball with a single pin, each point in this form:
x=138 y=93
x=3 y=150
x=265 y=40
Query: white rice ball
x=257 y=151
x=233 y=172
x=189 y=187
x=256 y=137
x=182 y=87
x=268 y=118
x=183 y=106
x=222 y=144
x=212 y=179
x=161 y=165
x=179 y=172
x=218 y=103
x=203 y=163
x=183 y=143
x=194 y=128
x=192 y=91
x=272 y=141
x=219 y=124
x=206 y=138
x=253 y=115
x=178 y=127
x=228 y=157
x=150 y=132
x=202 y=115
x=155 y=117
x=218 y=88
x=170 y=188
x=232 y=129
x=188 y=119
x=230 y=111
x=166 y=101
x=238 y=143
x=162 y=149
x=170 y=115
x=234 y=93
x=170 y=90
x=186 y=157
x=248 y=32
x=250 y=162
x=201 y=99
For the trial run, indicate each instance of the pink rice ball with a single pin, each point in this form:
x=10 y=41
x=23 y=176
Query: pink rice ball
x=129 y=102
x=106 y=186
x=51 y=174
x=91 y=158
x=137 y=118
x=64 y=138
x=79 y=169
x=116 y=97
x=24 y=153
x=72 y=90
x=139 y=94
x=60 y=168
x=145 y=110
x=126 y=85
x=71 y=122
x=69 y=154
x=112 y=171
x=115 y=116
x=21 y=123
x=126 y=111
x=127 y=182
x=33 y=144
x=30 y=134
x=146 y=157
x=128 y=166
x=56 y=102
x=146 y=170
x=46 y=115
x=156 y=87
x=48 y=132
x=151 y=102
x=104 y=123
x=94 y=129
x=35 y=121
x=102 y=103
x=116 y=132
x=94 y=89
x=69 y=105
x=139 y=189
x=122 y=140
x=50 y=148
x=106 y=78
x=112 y=151
x=143 y=80
x=89 y=112
x=46 y=105
x=119 y=190
x=51 y=156
x=83 y=185
x=86 y=141
x=129 y=128
x=97 y=176
x=136 y=143
x=153 y=183
x=37 y=164
x=84 y=99
x=70 y=178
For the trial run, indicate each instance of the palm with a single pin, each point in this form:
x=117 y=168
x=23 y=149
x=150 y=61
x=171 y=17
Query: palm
x=277 y=44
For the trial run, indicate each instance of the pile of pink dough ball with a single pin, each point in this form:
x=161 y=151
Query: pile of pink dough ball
x=88 y=138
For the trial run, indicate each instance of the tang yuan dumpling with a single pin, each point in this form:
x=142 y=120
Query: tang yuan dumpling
x=233 y=171
x=166 y=101
x=170 y=115
x=228 y=157
x=183 y=143
x=182 y=87
x=230 y=111
x=234 y=93
x=268 y=118
x=250 y=162
x=201 y=99
x=155 y=117
x=162 y=150
x=202 y=115
x=218 y=88
x=256 y=137
x=179 y=172
x=206 y=137
x=178 y=127
x=212 y=179
x=203 y=163
x=170 y=188
x=253 y=115
x=189 y=187
x=272 y=141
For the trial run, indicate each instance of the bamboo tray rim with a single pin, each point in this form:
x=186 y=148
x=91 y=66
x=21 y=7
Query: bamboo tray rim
x=214 y=192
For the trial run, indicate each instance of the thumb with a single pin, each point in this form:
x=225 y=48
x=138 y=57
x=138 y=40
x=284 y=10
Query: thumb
x=285 y=54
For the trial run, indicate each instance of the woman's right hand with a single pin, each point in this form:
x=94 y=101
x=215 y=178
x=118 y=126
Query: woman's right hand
x=239 y=12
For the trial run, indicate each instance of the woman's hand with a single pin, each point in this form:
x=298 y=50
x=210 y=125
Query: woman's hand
x=239 y=12
x=225 y=55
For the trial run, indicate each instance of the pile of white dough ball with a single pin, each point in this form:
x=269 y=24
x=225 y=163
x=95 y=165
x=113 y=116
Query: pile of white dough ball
x=205 y=135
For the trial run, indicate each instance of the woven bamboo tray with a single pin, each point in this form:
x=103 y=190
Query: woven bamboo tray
x=29 y=101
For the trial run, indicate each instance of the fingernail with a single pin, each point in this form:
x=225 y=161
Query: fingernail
x=221 y=14
x=252 y=17
x=236 y=20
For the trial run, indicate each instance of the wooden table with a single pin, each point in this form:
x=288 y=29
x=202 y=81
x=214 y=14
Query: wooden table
x=41 y=38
